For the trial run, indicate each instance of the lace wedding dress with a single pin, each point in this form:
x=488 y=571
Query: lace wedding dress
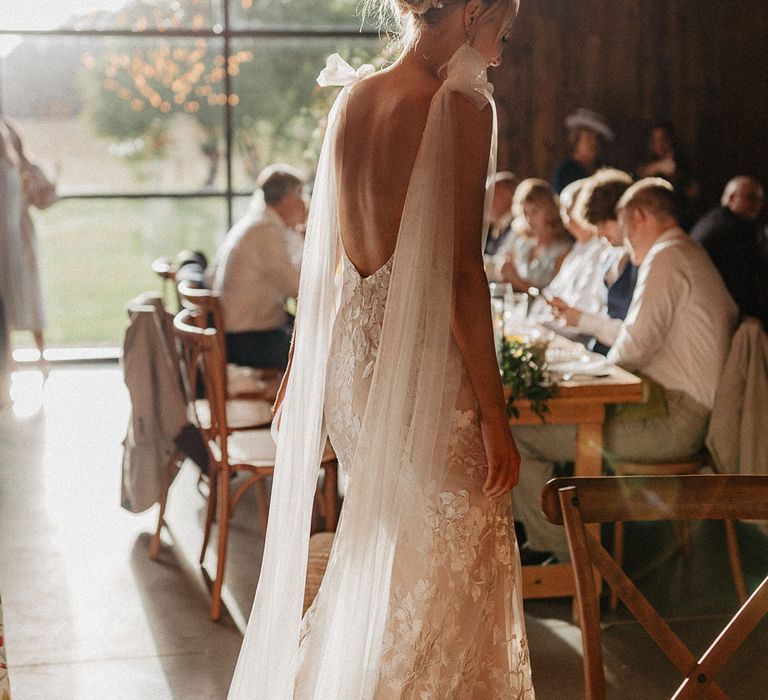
x=421 y=598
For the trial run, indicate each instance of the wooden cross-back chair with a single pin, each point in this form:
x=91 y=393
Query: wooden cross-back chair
x=207 y=307
x=245 y=410
x=579 y=501
x=231 y=450
x=204 y=365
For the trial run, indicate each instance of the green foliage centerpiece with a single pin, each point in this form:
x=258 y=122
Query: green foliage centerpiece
x=525 y=375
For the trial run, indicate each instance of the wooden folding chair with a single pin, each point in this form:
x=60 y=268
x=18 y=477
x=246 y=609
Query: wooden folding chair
x=690 y=465
x=242 y=405
x=579 y=501
x=231 y=451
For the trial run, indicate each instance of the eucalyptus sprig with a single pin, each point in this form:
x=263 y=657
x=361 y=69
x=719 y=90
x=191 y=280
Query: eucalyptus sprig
x=524 y=371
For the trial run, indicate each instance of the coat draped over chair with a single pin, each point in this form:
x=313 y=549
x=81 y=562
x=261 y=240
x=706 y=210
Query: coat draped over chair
x=739 y=423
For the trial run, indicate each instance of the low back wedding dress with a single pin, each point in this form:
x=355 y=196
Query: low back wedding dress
x=422 y=594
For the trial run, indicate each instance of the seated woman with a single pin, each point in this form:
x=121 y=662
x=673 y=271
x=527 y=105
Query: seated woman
x=533 y=258
x=579 y=283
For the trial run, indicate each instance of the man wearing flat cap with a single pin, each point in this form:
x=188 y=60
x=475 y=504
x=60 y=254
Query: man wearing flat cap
x=587 y=133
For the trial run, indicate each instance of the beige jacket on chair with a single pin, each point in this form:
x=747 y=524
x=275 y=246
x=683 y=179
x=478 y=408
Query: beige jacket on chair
x=738 y=429
x=158 y=406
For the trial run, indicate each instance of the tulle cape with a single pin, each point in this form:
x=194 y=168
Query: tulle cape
x=403 y=439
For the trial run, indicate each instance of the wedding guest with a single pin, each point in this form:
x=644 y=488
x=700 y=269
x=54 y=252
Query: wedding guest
x=731 y=236
x=500 y=216
x=579 y=283
x=24 y=186
x=534 y=257
x=257 y=268
x=677 y=334
x=599 y=198
x=665 y=158
x=587 y=135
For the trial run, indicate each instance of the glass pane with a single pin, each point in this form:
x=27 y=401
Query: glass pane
x=136 y=15
x=95 y=255
x=116 y=115
x=329 y=14
x=280 y=108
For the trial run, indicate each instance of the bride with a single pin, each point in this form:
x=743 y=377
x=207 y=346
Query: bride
x=394 y=361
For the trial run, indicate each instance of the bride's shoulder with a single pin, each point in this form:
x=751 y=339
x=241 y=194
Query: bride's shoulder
x=392 y=92
x=394 y=82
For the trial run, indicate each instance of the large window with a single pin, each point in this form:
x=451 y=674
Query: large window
x=155 y=117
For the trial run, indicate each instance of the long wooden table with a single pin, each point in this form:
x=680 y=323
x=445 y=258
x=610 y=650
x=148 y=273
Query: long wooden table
x=580 y=402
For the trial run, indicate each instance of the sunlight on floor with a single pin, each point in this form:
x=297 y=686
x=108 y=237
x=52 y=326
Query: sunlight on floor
x=27 y=392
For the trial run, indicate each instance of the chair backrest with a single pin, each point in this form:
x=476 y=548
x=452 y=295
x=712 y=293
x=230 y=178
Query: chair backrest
x=578 y=501
x=205 y=366
x=206 y=302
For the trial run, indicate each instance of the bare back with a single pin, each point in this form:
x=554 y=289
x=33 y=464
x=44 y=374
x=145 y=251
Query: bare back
x=385 y=120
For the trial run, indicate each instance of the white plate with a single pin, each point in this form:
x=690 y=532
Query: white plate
x=586 y=367
x=570 y=353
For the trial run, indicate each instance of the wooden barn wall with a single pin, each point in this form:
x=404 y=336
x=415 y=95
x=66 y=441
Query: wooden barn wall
x=700 y=64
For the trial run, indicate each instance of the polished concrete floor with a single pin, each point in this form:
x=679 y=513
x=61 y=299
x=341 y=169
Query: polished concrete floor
x=88 y=615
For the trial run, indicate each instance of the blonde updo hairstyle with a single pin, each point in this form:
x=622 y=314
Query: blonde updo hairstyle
x=406 y=19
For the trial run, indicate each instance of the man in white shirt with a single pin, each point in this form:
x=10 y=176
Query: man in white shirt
x=257 y=268
x=677 y=333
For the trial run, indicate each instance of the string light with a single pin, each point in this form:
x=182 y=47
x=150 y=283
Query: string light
x=144 y=78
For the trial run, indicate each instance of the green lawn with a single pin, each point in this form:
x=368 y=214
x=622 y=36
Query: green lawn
x=95 y=256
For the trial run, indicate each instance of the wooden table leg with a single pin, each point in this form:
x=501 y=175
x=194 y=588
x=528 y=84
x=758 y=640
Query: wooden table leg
x=589 y=450
x=556 y=580
x=589 y=462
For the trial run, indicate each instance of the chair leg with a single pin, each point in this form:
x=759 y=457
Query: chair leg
x=263 y=504
x=735 y=558
x=618 y=555
x=210 y=514
x=331 y=495
x=154 y=545
x=221 y=554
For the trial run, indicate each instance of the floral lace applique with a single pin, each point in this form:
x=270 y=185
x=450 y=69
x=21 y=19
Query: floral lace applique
x=355 y=346
x=455 y=627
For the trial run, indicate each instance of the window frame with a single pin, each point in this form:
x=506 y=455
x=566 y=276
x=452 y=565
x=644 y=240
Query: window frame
x=224 y=32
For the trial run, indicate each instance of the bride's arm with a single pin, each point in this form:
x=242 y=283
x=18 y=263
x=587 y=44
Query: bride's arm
x=471 y=321
x=283 y=384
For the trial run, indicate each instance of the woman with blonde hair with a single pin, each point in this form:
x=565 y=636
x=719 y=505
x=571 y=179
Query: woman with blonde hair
x=422 y=594
x=534 y=258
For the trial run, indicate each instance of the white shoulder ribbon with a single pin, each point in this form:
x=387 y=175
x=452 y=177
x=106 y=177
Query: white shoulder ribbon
x=466 y=73
x=338 y=72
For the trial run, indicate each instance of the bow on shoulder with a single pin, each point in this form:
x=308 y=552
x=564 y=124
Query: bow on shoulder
x=466 y=73
x=338 y=72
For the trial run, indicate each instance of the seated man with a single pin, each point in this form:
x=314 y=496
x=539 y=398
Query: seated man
x=731 y=236
x=500 y=216
x=257 y=268
x=600 y=195
x=677 y=333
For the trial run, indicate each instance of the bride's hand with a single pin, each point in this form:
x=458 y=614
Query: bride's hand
x=503 y=458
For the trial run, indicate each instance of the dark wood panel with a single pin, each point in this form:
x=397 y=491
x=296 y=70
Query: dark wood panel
x=701 y=64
